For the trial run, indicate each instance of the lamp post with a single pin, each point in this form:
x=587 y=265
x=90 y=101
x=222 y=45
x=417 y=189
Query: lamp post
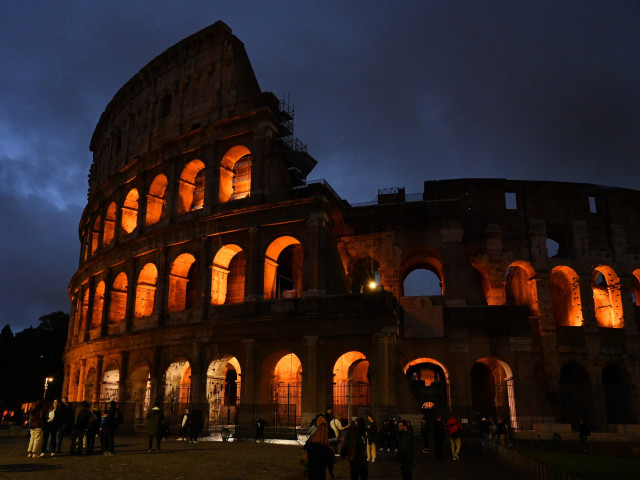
x=46 y=385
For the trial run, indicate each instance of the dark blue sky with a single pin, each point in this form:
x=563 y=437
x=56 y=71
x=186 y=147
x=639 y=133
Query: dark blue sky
x=384 y=97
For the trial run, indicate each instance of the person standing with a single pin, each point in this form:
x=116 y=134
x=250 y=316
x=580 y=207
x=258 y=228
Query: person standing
x=424 y=433
x=37 y=419
x=454 y=427
x=583 y=433
x=110 y=424
x=54 y=420
x=404 y=456
x=260 y=429
x=372 y=434
x=320 y=455
x=66 y=427
x=196 y=425
x=485 y=432
x=355 y=450
x=438 y=436
x=185 y=425
x=155 y=421
x=81 y=422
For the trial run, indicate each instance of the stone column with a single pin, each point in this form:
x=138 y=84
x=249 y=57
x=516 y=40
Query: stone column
x=87 y=323
x=132 y=283
x=123 y=380
x=248 y=378
x=95 y=401
x=311 y=265
x=253 y=289
x=383 y=369
x=310 y=381
x=81 y=381
x=106 y=304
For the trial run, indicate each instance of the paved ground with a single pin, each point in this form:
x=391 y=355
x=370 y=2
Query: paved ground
x=225 y=461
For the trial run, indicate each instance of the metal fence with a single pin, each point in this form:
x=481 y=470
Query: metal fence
x=527 y=464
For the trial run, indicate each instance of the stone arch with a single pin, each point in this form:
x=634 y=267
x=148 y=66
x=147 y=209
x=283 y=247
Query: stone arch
x=635 y=287
x=574 y=394
x=607 y=298
x=565 y=296
x=283 y=265
x=118 y=303
x=364 y=274
x=90 y=385
x=110 y=384
x=130 y=212
x=520 y=286
x=235 y=174
x=429 y=381
x=223 y=389
x=191 y=187
x=109 y=225
x=351 y=385
x=156 y=200
x=182 y=283
x=139 y=391
x=95 y=235
x=98 y=304
x=618 y=394
x=177 y=385
x=492 y=389
x=422 y=260
x=146 y=291
x=228 y=275
x=281 y=388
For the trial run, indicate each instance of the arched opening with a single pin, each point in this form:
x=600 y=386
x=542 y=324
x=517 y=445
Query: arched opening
x=98 y=303
x=364 y=275
x=351 y=387
x=429 y=384
x=618 y=395
x=118 y=303
x=156 y=200
x=565 y=295
x=553 y=248
x=228 y=275
x=177 y=390
x=286 y=393
x=90 y=383
x=95 y=235
x=146 y=291
x=109 y=225
x=575 y=396
x=235 y=174
x=110 y=383
x=283 y=269
x=606 y=297
x=635 y=288
x=130 y=212
x=422 y=282
x=492 y=390
x=223 y=390
x=139 y=388
x=521 y=286
x=191 y=187
x=182 y=283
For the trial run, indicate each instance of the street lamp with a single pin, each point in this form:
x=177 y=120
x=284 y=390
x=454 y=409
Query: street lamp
x=46 y=385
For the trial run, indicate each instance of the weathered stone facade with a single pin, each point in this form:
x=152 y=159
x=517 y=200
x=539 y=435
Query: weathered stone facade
x=212 y=274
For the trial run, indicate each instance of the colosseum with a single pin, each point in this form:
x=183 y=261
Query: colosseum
x=213 y=275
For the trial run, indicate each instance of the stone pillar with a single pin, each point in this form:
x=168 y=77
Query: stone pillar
x=383 y=369
x=248 y=383
x=87 y=323
x=106 y=304
x=310 y=382
x=254 y=288
x=66 y=380
x=311 y=265
x=162 y=290
x=198 y=380
x=81 y=381
x=154 y=377
x=132 y=283
x=123 y=380
x=97 y=392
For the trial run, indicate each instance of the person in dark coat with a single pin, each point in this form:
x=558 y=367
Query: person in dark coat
x=155 y=425
x=66 y=427
x=583 y=433
x=81 y=422
x=372 y=436
x=320 y=456
x=438 y=436
x=110 y=423
x=354 y=449
x=196 y=425
x=260 y=429
x=405 y=450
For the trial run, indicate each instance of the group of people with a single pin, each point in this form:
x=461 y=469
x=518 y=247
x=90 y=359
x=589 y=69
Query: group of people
x=49 y=425
x=492 y=431
x=355 y=442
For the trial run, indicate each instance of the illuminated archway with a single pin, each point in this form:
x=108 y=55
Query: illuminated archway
x=84 y=312
x=492 y=390
x=95 y=235
x=521 y=288
x=286 y=393
x=223 y=390
x=98 y=303
x=146 y=291
x=228 y=275
x=283 y=265
x=606 y=297
x=110 y=384
x=118 y=304
x=351 y=388
x=635 y=287
x=139 y=392
x=177 y=386
x=565 y=294
x=156 y=200
x=109 y=225
x=191 y=187
x=235 y=174
x=90 y=385
x=429 y=382
x=182 y=283
x=130 y=211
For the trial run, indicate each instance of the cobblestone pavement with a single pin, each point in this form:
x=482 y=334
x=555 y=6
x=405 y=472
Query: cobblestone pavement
x=225 y=461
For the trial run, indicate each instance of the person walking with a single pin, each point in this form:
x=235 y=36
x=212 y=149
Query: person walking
x=155 y=421
x=355 y=450
x=454 y=427
x=320 y=456
x=404 y=456
x=37 y=419
x=372 y=434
